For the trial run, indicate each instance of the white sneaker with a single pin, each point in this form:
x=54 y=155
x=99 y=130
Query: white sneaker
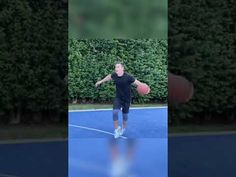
x=122 y=131
x=117 y=132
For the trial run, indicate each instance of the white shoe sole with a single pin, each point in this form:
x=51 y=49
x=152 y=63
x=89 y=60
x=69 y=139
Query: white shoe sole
x=122 y=132
x=117 y=135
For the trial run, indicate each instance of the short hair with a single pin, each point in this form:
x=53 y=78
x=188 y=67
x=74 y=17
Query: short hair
x=119 y=62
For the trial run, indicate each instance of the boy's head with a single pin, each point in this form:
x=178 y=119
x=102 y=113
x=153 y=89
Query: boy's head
x=119 y=67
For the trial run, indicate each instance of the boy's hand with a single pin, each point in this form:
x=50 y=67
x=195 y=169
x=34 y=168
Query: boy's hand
x=98 y=83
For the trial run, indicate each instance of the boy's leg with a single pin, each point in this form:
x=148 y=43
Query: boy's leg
x=116 y=124
x=125 y=118
x=116 y=108
x=125 y=111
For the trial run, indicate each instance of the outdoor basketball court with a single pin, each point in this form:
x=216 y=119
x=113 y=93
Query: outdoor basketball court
x=94 y=158
x=149 y=122
x=188 y=156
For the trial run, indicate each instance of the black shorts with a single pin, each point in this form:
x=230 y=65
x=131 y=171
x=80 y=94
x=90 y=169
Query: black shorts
x=118 y=104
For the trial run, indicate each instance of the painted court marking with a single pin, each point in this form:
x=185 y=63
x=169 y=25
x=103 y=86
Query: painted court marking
x=27 y=141
x=91 y=110
x=6 y=175
x=94 y=129
x=199 y=134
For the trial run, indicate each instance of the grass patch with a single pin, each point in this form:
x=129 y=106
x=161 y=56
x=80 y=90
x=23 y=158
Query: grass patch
x=8 y=132
x=106 y=106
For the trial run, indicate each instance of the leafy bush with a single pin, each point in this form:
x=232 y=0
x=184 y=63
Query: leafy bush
x=33 y=58
x=91 y=60
x=202 y=48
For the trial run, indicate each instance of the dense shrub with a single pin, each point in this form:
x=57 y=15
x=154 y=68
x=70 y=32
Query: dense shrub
x=202 y=48
x=33 y=58
x=91 y=60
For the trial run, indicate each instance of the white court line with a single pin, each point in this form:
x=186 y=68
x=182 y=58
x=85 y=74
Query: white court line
x=94 y=129
x=91 y=110
x=188 y=134
x=27 y=141
x=6 y=175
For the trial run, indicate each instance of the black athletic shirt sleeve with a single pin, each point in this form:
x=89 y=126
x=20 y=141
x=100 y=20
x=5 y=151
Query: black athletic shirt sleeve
x=131 y=79
x=113 y=75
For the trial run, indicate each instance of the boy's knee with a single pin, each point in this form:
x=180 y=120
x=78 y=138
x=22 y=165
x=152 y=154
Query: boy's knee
x=125 y=116
x=115 y=114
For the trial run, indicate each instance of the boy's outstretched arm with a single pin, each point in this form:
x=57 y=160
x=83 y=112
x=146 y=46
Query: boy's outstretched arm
x=107 y=78
x=137 y=82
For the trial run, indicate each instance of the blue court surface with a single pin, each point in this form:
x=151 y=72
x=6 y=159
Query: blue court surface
x=188 y=156
x=202 y=156
x=34 y=159
x=142 y=123
x=118 y=158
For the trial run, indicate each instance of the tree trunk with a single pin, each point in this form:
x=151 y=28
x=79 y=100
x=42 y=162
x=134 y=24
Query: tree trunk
x=15 y=116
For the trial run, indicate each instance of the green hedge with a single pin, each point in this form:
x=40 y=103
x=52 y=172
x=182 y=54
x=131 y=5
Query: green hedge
x=33 y=58
x=91 y=60
x=202 y=48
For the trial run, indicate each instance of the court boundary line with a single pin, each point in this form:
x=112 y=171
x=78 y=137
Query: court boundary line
x=29 y=141
x=109 y=109
x=94 y=129
x=200 y=134
x=6 y=175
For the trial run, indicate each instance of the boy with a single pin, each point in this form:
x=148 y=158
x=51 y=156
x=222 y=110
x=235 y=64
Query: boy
x=122 y=99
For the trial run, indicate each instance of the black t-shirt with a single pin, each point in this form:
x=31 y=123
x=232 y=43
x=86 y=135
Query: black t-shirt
x=123 y=86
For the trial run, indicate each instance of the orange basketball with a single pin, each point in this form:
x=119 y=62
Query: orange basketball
x=180 y=90
x=143 y=89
